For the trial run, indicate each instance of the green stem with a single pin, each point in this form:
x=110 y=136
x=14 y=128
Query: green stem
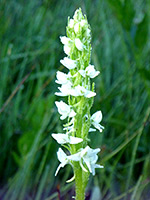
x=81 y=180
x=79 y=185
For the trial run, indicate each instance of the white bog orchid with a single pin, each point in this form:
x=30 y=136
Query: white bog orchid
x=96 y=119
x=86 y=155
x=71 y=23
x=77 y=27
x=82 y=91
x=90 y=158
x=67 y=62
x=81 y=24
x=77 y=86
x=65 y=40
x=63 y=78
x=65 y=90
x=65 y=138
x=67 y=49
x=65 y=110
x=64 y=159
x=89 y=71
x=67 y=44
x=79 y=45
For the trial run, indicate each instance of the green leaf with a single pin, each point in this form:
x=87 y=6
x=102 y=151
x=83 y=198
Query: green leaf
x=142 y=33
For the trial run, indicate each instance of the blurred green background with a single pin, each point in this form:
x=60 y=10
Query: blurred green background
x=30 y=51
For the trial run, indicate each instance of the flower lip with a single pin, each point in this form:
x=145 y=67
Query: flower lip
x=65 y=40
x=90 y=158
x=63 y=78
x=65 y=110
x=64 y=159
x=89 y=71
x=71 y=23
x=67 y=62
x=96 y=119
x=82 y=91
x=86 y=155
x=65 y=138
x=79 y=45
x=65 y=90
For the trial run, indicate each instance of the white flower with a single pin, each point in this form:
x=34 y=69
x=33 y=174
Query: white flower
x=67 y=49
x=67 y=44
x=90 y=158
x=81 y=91
x=96 y=119
x=67 y=62
x=78 y=15
x=65 y=40
x=64 y=159
x=63 y=78
x=65 y=90
x=88 y=32
x=76 y=27
x=86 y=155
x=71 y=23
x=83 y=22
x=65 y=138
x=65 y=110
x=89 y=71
x=79 y=44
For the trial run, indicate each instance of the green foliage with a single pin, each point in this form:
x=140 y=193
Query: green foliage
x=29 y=58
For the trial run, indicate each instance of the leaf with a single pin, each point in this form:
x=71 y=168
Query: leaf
x=145 y=73
x=142 y=33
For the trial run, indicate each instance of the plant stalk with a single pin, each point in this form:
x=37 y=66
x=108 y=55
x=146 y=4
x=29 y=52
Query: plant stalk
x=79 y=185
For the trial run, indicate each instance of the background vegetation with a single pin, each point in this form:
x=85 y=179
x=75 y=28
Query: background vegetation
x=30 y=51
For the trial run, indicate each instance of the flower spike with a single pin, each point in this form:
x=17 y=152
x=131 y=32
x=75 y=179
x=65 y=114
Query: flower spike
x=76 y=86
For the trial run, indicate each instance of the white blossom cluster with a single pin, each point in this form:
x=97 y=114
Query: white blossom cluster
x=77 y=87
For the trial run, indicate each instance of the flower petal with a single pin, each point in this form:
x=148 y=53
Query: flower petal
x=98 y=126
x=82 y=72
x=61 y=155
x=65 y=90
x=64 y=138
x=60 y=138
x=76 y=27
x=92 y=130
x=91 y=72
x=62 y=78
x=75 y=157
x=89 y=94
x=97 y=117
x=75 y=140
x=79 y=44
x=67 y=49
x=65 y=110
x=72 y=113
x=65 y=40
x=71 y=23
x=67 y=62
x=90 y=158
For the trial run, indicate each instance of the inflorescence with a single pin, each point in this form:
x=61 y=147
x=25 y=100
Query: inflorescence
x=76 y=85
